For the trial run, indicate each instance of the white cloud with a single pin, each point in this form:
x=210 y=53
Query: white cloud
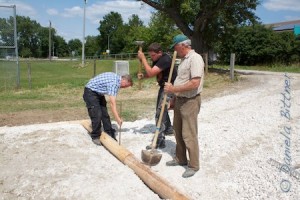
x=21 y=8
x=52 y=11
x=73 y=12
x=96 y=11
x=282 y=5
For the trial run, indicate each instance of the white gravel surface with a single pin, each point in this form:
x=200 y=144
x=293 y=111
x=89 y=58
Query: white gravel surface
x=242 y=137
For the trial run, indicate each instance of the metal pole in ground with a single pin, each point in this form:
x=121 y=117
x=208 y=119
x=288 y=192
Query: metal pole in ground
x=83 y=36
x=121 y=125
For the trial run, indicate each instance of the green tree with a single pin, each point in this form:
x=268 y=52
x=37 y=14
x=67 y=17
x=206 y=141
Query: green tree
x=44 y=41
x=6 y=32
x=60 y=46
x=135 y=21
x=112 y=32
x=259 y=45
x=295 y=58
x=206 y=21
x=135 y=30
x=92 y=46
x=75 y=45
x=28 y=37
x=162 y=29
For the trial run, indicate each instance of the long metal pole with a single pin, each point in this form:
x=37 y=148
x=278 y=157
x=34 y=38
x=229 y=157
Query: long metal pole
x=50 y=44
x=83 y=37
x=16 y=46
x=107 y=50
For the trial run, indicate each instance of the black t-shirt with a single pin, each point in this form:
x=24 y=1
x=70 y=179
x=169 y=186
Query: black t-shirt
x=164 y=63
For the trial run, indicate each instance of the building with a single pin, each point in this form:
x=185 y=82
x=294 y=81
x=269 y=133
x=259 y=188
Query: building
x=293 y=26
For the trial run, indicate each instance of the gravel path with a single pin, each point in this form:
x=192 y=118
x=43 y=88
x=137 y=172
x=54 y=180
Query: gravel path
x=245 y=138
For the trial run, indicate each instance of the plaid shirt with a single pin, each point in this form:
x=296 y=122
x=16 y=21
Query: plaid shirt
x=107 y=83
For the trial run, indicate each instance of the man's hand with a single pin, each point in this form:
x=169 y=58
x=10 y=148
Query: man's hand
x=141 y=55
x=168 y=88
x=120 y=121
x=140 y=75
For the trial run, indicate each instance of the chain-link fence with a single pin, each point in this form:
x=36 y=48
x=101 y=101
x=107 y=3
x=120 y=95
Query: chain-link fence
x=9 y=64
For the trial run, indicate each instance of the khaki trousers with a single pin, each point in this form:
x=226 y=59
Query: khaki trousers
x=186 y=111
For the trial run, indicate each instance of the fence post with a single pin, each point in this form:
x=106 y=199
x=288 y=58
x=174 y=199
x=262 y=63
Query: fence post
x=232 y=60
x=206 y=62
x=94 y=67
x=29 y=74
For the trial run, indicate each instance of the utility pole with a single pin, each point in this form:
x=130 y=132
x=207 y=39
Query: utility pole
x=50 y=44
x=83 y=37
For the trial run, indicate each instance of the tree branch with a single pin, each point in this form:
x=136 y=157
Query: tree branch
x=204 y=17
x=173 y=12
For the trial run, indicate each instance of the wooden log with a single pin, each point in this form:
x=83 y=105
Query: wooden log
x=160 y=186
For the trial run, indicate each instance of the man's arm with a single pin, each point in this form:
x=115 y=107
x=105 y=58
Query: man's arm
x=113 y=105
x=151 y=71
x=190 y=85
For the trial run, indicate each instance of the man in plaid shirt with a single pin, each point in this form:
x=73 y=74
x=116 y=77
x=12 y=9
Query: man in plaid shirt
x=107 y=83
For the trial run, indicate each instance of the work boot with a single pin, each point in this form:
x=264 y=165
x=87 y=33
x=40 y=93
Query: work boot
x=112 y=133
x=170 y=131
x=161 y=144
x=97 y=141
x=188 y=173
x=174 y=163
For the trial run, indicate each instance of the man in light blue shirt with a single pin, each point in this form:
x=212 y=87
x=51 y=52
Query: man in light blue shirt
x=107 y=83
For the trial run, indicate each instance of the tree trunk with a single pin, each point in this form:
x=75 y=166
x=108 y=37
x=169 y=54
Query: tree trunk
x=198 y=43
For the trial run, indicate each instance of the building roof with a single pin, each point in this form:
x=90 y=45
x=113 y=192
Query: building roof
x=285 y=27
x=282 y=26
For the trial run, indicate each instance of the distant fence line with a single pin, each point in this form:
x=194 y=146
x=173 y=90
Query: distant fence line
x=120 y=56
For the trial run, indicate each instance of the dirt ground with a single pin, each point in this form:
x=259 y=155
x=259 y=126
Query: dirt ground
x=248 y=150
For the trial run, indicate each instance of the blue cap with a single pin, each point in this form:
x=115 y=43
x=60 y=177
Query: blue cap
x=177 y=39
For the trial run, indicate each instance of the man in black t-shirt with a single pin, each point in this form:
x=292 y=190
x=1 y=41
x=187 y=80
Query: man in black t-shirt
x=161 y=65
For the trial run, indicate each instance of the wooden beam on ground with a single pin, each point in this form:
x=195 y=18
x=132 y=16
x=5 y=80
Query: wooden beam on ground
x=148 y=176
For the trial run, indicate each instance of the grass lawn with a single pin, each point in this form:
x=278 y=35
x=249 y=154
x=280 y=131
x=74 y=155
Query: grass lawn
x=58 y=86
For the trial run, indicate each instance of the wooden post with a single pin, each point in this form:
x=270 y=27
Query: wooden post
x=94 y=67
x=140 y=69
x=29 y=74
x=206 y=62
x=148 y=176
x=232 y=60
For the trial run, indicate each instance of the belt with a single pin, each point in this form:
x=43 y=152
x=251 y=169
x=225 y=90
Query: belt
x=187 y=97
x=88 y=89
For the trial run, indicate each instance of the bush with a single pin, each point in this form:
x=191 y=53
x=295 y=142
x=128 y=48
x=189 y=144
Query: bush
x=257 y=44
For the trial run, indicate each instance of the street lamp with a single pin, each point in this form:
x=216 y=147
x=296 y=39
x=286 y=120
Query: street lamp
x=83 y=37
x=107 y=51
x=49 y=40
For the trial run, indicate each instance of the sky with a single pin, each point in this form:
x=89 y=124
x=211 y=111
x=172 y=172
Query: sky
x=66 y=16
